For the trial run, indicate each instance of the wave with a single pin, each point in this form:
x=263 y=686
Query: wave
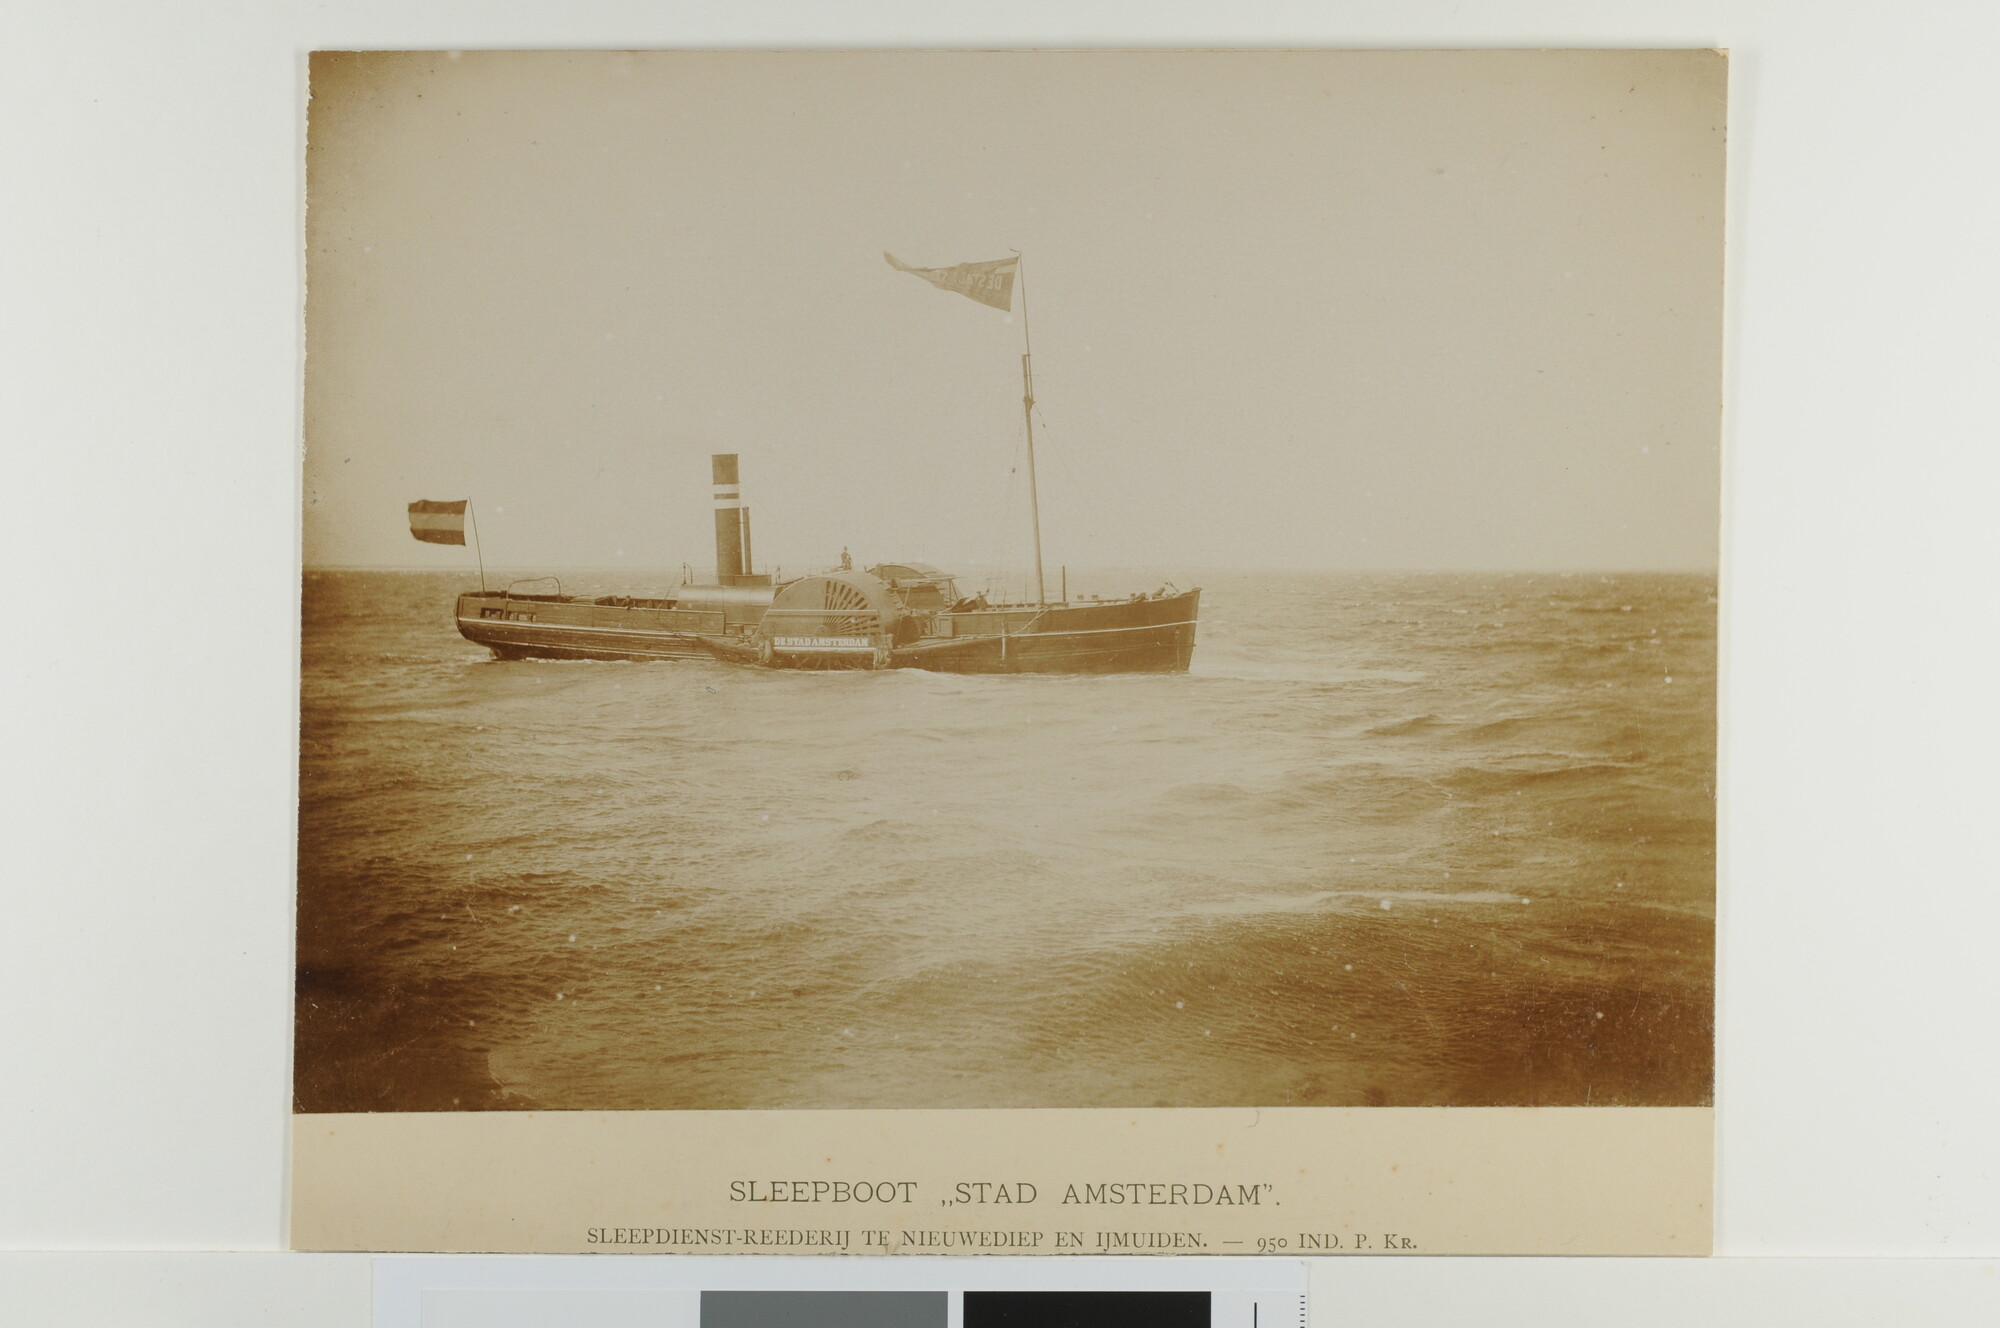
x=917 y=888
x=1399 y=728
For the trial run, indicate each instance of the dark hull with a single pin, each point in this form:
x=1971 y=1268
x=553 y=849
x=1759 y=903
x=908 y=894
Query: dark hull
x=1127 y=636
x=552 y=627
x=555 y=644
x=1133 y=636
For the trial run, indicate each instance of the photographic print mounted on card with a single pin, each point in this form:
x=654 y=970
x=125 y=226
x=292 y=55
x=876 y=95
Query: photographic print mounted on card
x=1207 y=744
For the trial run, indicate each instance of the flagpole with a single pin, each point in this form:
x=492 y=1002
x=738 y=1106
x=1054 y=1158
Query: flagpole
x=477 y=552
x=1028 y=417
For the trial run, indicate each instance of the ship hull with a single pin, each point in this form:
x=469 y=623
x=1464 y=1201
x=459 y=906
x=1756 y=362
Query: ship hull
x=1126 y=636
x=557 y=644
x=1131 y=636
x=555 y=627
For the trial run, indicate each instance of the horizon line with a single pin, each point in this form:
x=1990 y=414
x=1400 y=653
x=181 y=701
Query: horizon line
x=638 y=569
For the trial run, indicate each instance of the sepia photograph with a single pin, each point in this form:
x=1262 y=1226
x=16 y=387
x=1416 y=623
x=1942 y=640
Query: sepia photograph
x=916 y=579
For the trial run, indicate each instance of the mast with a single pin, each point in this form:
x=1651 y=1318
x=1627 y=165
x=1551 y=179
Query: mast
x=1028 y=418
x=992 y=285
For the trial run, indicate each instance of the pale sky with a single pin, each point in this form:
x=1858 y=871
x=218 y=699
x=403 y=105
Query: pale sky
x=1290 y=310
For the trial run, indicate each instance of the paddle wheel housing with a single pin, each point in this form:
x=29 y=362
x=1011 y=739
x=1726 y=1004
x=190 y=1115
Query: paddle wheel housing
x=842 y=620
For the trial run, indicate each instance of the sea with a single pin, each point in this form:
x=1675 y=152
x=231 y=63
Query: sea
x=1394 y=840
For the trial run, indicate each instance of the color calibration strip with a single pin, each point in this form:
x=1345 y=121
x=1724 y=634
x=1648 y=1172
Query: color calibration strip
x=979 y=1309
x=636 y=1291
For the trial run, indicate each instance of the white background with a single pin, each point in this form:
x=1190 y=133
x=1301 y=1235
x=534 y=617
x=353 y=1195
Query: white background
x=149 y=307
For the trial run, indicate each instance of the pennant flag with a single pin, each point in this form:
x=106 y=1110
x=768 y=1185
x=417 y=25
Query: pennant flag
x=438 y=523
x=989 y=283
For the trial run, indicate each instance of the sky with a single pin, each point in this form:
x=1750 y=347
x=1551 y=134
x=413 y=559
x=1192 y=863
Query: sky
x=1311 y=310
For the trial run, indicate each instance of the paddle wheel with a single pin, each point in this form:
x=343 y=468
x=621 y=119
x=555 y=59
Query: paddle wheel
x=842 y=620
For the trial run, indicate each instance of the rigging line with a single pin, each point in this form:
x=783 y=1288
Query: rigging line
x=478 y=550
x=1027 y=347
x=1075 y=501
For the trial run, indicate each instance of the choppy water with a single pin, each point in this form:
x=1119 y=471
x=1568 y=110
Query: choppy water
x=1414 y=839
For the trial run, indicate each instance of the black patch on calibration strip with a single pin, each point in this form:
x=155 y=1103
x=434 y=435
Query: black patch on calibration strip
x=1085 y=1309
